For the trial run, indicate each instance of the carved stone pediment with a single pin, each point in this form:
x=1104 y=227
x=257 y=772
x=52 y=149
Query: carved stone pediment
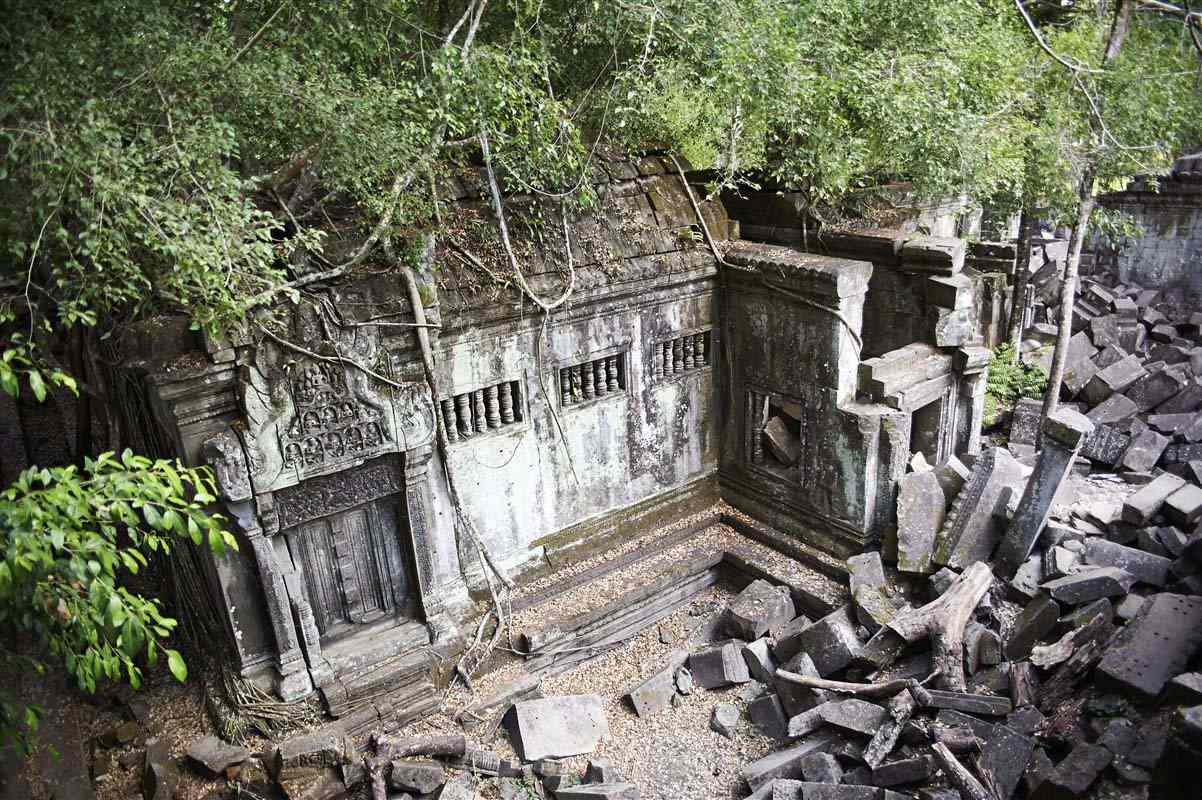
x=317 y=414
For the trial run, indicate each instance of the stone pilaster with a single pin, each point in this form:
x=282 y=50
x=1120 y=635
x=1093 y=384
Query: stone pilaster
x=419 y=502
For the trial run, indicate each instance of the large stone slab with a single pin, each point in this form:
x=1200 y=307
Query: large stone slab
x=1064 y=432
x=1145 y=567
x=1148 y=499
x=1187 y=400
x=1089 y=585
x=921 y=504
x=558 y=727
x=1116 y=408
x=971 y=530
x=1155 y=646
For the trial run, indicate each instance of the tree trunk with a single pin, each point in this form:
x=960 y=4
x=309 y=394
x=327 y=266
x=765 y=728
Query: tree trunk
x=1068 y=291
x=83 y=402
x=1118 y=31
x=1022 y=268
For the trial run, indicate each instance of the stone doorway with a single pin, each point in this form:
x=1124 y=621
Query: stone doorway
x=927 y=433
x=351 y=547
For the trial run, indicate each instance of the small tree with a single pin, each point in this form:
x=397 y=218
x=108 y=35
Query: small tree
x=70 y=536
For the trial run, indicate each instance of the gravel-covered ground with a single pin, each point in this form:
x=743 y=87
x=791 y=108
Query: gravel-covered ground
x=671 y=755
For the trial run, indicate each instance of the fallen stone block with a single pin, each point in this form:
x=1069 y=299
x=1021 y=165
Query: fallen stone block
x=1089 y=585
x=1144 y=451
x=855 y=715
x=557 y=727
x=874 y=608
x=1025 y=423
x=921 y=504
x=1154 y=647
x=940 y=255
x=725 y=719
x=804 y=790
x=655 y=693
x=1077 y=376
x=1144 y=567
x=952 y=474
x=821 y=768
x=1036 y=621
x=311 y=750
x=1184 y=506
x=720 y=665
x=216 y=756
x=831 y=641
x=1149 y=392
x=950 y=718
x=903 y=771
x=599 y=770
x=787 y=641
x=1116 y=408
x=760 y=663
x=1114 y=378
x=1024 y=586
x=795 y=697
x=971 y=532
x=768 y=716
x=984 y=704
x=758 y=609
x=1073 y=776
x=1064 y=433
x=806 y=722
x=596 y=791
x=786 y=763
x=784 y=445
x=1106 y=444
x=1186 y=401
x=160 y=775
x=1004 y=758
x=1147 y=501
x=422 y=777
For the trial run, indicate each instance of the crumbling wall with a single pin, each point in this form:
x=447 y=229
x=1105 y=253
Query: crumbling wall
x=1168 y=253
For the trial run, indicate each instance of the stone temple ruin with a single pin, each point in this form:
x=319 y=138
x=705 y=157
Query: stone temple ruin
x=816 y=396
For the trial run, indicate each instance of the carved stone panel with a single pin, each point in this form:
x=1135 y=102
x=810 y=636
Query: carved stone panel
x=225 y=455
x=329 y=494
x=328 y=423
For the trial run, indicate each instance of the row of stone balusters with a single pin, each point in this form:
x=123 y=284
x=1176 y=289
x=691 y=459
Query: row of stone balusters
x=681 y=354
x=595 y=378
x=480 y=411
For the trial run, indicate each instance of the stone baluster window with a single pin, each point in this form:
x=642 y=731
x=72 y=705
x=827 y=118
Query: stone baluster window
x=777 y=434
x=483 y=410
x=592 y=379
x=682 y=354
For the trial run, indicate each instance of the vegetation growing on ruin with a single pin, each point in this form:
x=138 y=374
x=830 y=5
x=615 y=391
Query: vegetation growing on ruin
x=1009 y=380
x=208 y=159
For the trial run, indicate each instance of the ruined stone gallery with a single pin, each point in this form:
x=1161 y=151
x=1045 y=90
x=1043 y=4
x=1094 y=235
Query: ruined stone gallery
x=736 y=526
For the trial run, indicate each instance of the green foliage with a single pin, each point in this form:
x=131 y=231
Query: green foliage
x=1010 y=379
x=70 y=537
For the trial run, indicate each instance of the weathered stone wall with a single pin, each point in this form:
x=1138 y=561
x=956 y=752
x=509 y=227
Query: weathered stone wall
x=561 y=426
x=1168 y=254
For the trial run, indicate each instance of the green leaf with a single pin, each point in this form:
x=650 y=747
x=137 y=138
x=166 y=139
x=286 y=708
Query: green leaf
x=37 y=385
x=175 y=662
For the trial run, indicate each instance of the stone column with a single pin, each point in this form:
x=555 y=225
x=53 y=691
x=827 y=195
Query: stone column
x=420 y=505
x=1063 y=433
x=972 y=362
